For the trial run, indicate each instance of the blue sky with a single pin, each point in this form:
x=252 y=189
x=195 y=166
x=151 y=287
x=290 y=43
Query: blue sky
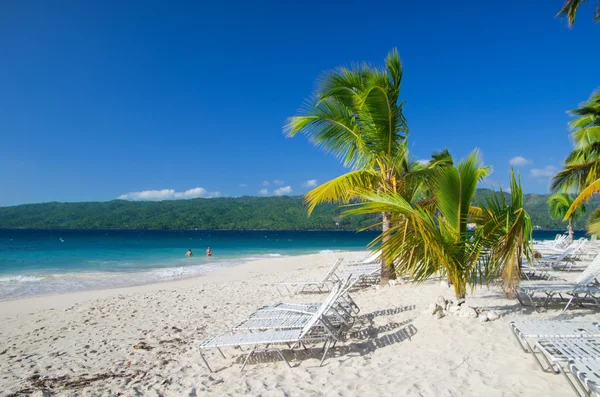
x=102 y=99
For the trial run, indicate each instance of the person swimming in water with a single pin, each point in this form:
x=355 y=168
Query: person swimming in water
x=189 y=253
x=208 y=252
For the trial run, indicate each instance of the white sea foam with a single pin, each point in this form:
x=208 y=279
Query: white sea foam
x=20 y=279
x=27 y=285
x=330 y=251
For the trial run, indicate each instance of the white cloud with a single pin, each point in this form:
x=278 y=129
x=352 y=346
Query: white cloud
x=283 y=191
x=266 y=183
x=243 y=185
x=544 y=173
x=263 y=192
x=519 y=161
x=278 y=182
x=167 y=194
x=310 y=183
x=423 y=161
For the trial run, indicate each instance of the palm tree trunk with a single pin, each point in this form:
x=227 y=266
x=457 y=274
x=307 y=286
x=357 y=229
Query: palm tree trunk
x=570 y=229
x=387 y=271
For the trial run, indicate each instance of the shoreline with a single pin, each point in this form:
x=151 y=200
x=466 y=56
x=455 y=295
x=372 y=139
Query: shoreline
x=26 y=305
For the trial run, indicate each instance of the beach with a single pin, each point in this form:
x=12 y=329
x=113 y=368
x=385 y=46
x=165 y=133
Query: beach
x=142 y=341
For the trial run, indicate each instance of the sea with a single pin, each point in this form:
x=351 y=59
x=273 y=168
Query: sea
x=48 y=262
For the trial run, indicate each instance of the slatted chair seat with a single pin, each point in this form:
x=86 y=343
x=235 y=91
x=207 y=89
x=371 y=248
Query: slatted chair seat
x=550 y=329
x=587 y=373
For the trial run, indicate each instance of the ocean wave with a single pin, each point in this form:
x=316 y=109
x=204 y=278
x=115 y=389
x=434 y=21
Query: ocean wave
x=20 y=279
x=330 y=251
x=20 y=286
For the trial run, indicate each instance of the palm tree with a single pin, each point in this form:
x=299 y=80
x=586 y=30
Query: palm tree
x=431 y=236
x=569 y=10
x=558 y=206
x=357 y=116
x=582 y=166
x=581 y=172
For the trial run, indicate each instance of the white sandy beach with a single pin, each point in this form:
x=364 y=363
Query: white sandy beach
x=83 y=344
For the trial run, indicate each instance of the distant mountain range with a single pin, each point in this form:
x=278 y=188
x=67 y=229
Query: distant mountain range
x=228 y=213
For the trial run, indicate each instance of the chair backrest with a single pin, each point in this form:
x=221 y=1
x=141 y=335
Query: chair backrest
x=373 y=258
x=332 y=270
x=565 y=253
x=346 y=286
x=581 y=248
x=590 y=272
x=333 y=294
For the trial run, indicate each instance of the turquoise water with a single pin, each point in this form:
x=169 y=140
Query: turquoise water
x=41 y=262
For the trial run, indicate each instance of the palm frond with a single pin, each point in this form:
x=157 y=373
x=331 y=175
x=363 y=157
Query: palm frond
x=593 y=226
x=584 y=195
x=569 y=10
x=574 y=176
x=342 y=189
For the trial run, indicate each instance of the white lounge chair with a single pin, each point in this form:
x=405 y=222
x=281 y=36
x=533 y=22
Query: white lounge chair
x=545 y=329
x=558 y=353
x=324 y=283
x=265 y=319
x=585 y=287
x=366 y=271
x=290 y=316
x=562 y=261
x=316 y=330
x=587 y=375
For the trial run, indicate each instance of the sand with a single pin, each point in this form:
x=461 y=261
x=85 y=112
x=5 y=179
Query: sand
x=83 y=344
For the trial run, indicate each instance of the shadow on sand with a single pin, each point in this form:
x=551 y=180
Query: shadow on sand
x=361 y=340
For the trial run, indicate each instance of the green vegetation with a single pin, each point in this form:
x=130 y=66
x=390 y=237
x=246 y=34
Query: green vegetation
x=356 y=115
x=430 y=236
x=581 y=170
x=241 y=213
x=559 y=204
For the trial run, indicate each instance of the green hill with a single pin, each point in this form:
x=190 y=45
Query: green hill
x=239 y=213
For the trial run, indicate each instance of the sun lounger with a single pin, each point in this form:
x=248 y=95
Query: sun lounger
x=562 y=261
x=587 y=375
x=366 y=271
x=559 y=242
x=296 y=316
x=316 y=330
x=558 y=353
x=585 y=288
x=546 y=329
x=553 y=250
x=324 y=283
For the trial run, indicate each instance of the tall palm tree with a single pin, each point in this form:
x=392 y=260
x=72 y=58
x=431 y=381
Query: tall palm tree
x=582 y=166
x=431 y=236
x=356 y=115
x=558 y=206
x=569 y=10
x=581 y=172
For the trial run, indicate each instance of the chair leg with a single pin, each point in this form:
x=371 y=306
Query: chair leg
x=569 y=303
x=325 y=353
x=205 y=362
x=530 y=296
x=220 y=351
x=283 y=358
x=523 y=343
x=247 y=358
x=562 y=370
x=324 y=346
